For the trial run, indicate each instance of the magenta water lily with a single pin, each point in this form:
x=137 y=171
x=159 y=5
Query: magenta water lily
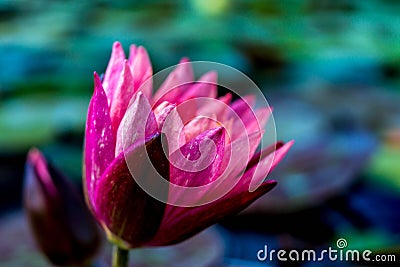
x=126 y=127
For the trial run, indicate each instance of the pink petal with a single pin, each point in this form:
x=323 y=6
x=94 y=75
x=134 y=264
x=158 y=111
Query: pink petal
x=255 y=176
x=193 y=220
x=161 y=112
x=130 y=215
x=99 y=139
x=210 y=113
x=265 y=152
x=199 y=125
x=243 y=116
x=217 y=109
x=113 y=70
x=242 y=105
x=122 y=96
x=236 y=158
x=255 y=122
x=197 y=163
x=183 y=222
x=206 y=86
x=132 y=53
x=243 y=149
x=174 y=95
x=182 y=74
x=170 y=123
x=138 y=124
x=141 y=70
x=193 y=96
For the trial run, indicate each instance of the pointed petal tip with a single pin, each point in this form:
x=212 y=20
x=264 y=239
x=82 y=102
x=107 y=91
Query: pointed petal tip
x=287 y=145
x=141 y=49
x=272 y=183
x=281 y=150
x=38 y=171
x=132 y=52
x=217 y=132
x=117 y=50
x=116 y=45
x=98 y=86
x=274 y=157
x=266 y=186
x=217 y=135
x=210 y=76
x=184 y=60
x=144 y=57
x=96 y=78
x=33 y=153
x=126 y=66
x=35 y=158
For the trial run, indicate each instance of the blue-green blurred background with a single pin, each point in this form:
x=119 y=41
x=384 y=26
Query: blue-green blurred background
x=330 y=69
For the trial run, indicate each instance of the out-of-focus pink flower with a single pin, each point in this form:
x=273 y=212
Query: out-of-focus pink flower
x=122 y=104
x=63 y=227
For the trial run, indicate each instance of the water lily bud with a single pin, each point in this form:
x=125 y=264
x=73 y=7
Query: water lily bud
x=62 y=225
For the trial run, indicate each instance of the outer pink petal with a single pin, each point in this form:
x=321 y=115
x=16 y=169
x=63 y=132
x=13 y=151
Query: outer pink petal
x=162 y=112
x=206 y=86
x=186 y=222
x=210 y=113
x=241 y=155
x=182 y=74
x=198 y=94
x=198 y=126
x=99 y=140
x=138 y=124
x=255 y=122
x=254 y=177
x=130 y=215
x=113 y=70
x=265 y=152
x=132 y=53
x=243 y=105
x=190 y=156
x=174 y=95
x=216 y=109
x=193 y=220
x=141 y=70
x=234 y=163
x=193 y=155
x=243 y=109
x=122 y=96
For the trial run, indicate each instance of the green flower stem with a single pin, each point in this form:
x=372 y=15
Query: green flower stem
x=120 y=257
